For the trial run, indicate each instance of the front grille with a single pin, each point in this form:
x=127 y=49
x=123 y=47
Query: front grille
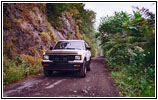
x=62 y=57
x=71 y=57
x=51 y=57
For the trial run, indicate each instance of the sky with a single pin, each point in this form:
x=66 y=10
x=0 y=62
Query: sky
x=103 y=9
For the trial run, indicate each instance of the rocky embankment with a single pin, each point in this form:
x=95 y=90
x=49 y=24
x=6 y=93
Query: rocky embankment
x=26 y=30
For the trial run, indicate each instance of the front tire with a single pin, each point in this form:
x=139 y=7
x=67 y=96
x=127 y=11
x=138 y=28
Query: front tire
x=47 y=73
x=88 y=66
x=83 y=70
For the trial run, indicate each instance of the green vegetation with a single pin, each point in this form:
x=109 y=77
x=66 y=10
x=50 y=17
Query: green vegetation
x=53 y=36
x=83 y=20
x=20 y=67
x=92 y=44
x=70 y=35
x=41 y=6
x=45 y=36
x=128 y=43
x=17 y=67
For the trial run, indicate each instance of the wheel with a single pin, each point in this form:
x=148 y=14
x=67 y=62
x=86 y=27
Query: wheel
x=83 y=70
x=47 y=73
x=88 y=65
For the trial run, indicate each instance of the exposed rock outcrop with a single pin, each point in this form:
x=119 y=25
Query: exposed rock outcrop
x=26 y=30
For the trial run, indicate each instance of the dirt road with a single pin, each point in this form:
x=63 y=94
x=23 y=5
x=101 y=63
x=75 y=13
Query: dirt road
x=97 y=83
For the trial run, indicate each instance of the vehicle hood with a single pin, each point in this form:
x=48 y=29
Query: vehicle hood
x=63 y=51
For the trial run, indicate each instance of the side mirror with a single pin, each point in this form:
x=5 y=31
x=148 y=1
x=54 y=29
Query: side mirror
x=88 y=48
x=51 y=48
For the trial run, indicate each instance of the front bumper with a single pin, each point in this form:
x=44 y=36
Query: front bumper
x=62 y=66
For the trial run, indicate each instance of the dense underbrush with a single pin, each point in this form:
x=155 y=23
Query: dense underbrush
x=131 y=69
x=20 y=67
x=128 y=43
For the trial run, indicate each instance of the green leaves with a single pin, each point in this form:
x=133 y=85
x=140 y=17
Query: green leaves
x=128 y=42
x=114 y=24
x=19 y=68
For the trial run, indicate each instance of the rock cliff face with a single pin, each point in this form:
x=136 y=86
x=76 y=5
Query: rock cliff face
x=26 y=30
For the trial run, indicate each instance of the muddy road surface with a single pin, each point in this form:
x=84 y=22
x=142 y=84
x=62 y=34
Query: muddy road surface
x=97 y=83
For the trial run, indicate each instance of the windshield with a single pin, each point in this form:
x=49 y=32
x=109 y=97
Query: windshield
x=69 y=45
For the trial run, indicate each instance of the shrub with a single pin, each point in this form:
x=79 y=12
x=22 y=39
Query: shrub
x=53 y=36
x=34 y=63
x=128 y=42
x=91 y=43
x=20 y=67
x=70 y=35
x=41 y=6
x=12 y=71
x=45 y=36
x=134 y=75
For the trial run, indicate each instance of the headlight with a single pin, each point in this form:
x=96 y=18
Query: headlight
x=78 y=57
x=46 y=57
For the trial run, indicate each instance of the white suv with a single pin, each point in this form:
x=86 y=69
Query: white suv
x=67 y=55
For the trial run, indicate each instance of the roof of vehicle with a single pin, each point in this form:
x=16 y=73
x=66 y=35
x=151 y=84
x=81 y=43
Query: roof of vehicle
x=72 y=40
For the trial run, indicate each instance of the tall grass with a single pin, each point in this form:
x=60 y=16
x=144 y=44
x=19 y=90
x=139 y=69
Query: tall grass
x=19 y=68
